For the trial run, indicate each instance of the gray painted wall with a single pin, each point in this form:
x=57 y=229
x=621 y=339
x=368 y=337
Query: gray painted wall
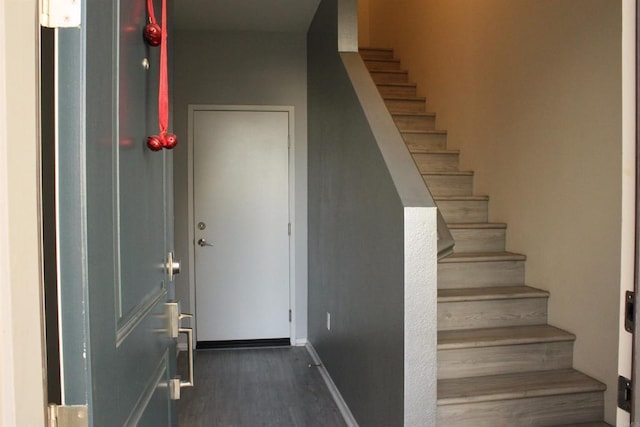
x=243 y=69
x=356 y=224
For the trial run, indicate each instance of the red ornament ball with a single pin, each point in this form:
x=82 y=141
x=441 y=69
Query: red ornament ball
x=155 y=143
x=170 y=141
x=153 y=34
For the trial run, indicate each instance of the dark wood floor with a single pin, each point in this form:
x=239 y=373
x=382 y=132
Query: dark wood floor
x=257 y=387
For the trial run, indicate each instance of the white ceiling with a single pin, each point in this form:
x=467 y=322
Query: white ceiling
x=245 y=15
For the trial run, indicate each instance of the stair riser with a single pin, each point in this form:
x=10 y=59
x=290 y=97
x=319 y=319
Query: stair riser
x=425 y=141
x=461 y=211
x=533 y=411
x=449 y=185
x=382 y=64
x=423 y=123
x=479 y=240
x=376 y=54
x=480 y=274
x=491 y=313
x=382 y=77
x=436 y=162
x=405 y=105
x=474 y=362
x=397 y=90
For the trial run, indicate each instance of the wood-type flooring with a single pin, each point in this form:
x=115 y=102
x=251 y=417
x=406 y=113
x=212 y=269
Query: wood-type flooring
x=256 y=388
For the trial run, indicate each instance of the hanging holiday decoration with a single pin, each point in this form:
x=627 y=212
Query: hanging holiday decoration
x=155 y=35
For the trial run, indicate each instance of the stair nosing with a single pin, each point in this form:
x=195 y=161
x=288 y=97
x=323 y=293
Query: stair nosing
x=532 y=384
x=459 y=257
x=460 y=198
x=405 y=98
x=398 y=84
x=377 y=49
x=411 y=150
x=494 y=293
x=412 y=114
x=390 y=71
x=382 y=60
x=477 y=225
x=428 y=132
x=491 y=337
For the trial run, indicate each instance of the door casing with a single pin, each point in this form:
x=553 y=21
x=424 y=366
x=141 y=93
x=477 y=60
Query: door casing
x=292 y=216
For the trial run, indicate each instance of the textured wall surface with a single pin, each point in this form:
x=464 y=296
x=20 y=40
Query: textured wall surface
x=361 y=241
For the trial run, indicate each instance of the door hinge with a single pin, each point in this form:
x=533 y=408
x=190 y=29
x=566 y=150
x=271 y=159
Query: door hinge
x=60 y=13
x=624 y=393
x=67 y=416
x=290 y=316
x=289 y=229
x=629 y=311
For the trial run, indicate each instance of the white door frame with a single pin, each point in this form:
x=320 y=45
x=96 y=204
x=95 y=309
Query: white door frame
x=192 y=108
x=22 y=362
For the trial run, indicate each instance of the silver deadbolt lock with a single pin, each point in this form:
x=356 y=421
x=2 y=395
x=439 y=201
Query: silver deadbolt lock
x=202 y=226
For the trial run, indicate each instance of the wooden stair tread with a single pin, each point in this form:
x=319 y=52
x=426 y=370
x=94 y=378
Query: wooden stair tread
x=477 y=225
x=431 y=151
x=482 y=257
x=515 y=386
x=592 y=424
x=394 y=60
x=493 y=337
x=424 y=132
x=411 y=85
x=375 y=49
x=412 y=114
x=490 y=293
x=389 y=71
x=405 y=98
x=460 y=198
x=449 y=173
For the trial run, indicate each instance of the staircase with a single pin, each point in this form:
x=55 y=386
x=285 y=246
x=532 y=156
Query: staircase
x=499 y=362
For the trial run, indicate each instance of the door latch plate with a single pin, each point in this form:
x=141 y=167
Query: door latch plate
x=624 y=393
x=629 y=311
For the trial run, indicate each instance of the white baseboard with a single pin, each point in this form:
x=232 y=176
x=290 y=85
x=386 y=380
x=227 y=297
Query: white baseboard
x=300 y=342
x=335 y=393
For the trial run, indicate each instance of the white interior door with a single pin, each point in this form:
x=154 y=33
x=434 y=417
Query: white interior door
x=241 y=221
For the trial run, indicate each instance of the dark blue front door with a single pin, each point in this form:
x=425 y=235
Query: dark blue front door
x=114 y=221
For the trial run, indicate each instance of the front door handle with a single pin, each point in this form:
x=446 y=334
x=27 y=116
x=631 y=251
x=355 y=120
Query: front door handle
x=204 y=243
x=174 y=316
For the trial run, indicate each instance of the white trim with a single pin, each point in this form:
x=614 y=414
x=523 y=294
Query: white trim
x=628 y=182
x=333 y=389
x=300 y=342
x=292 y=238
x=7 y=380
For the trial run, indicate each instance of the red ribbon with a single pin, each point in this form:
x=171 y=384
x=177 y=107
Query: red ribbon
x=162 y=140
x=152 y=15
x=163 y=92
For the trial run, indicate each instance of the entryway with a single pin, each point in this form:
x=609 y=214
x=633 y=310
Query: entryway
x=241 y=224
